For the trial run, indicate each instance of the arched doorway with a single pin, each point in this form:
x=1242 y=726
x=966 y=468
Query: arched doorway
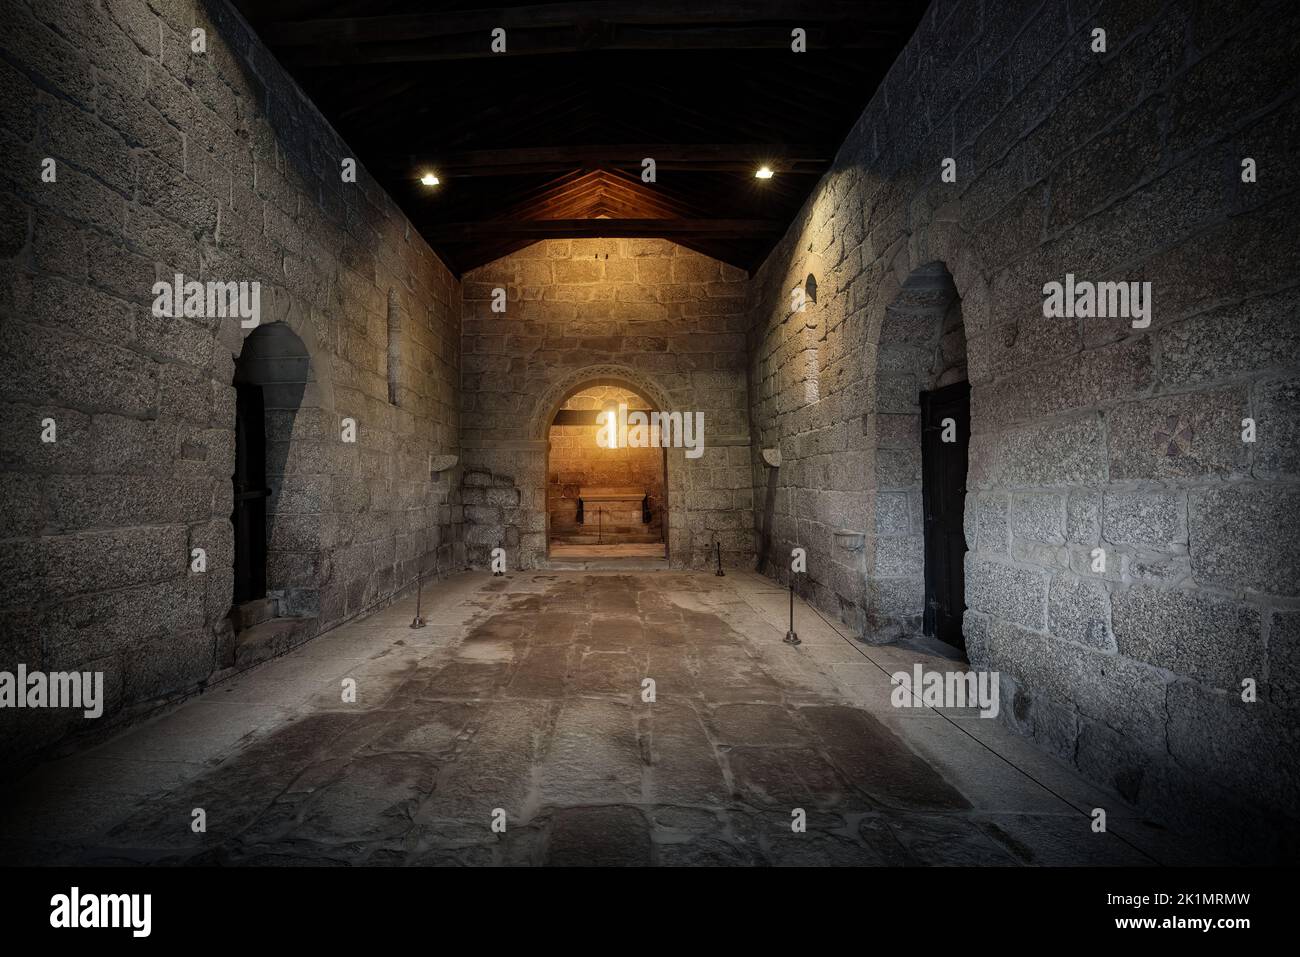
x=922 y=416
x=271 y=376
x=602 y=501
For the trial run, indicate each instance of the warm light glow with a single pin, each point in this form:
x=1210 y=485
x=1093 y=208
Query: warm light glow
x=428 y=179
x=764 y=172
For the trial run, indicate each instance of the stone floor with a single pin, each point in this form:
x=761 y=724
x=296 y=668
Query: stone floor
x=522 y=700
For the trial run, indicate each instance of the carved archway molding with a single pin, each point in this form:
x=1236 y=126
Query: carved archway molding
x=601 y=374
x=939 y=248
x=813 y=264
x=280 y=306
x=633 y=380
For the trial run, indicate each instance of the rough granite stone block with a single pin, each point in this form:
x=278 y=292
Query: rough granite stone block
x=1083 y=517
x=1151 y=519
x=1017 y=595
x=1251 y=748
x=1213 y=640
x=1068 y=453
x=990 y=524
x=1247 y=536
x=1079 y=610
x=1179 y=436
x=1277 y=423
x=1038 y=517
x=1232 y=340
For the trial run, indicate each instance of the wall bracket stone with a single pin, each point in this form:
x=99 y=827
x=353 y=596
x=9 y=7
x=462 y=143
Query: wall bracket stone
x=849 y=540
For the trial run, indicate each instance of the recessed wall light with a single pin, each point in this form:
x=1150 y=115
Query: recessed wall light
x=428 y=179
x=764 y=172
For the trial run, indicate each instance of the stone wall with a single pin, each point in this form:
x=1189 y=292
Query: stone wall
x=1087 y=434
x=1091 y=438
x=647 y=315
x=213 y=165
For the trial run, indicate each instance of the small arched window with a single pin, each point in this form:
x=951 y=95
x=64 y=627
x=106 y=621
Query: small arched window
x=810 y=288
x=394 y=344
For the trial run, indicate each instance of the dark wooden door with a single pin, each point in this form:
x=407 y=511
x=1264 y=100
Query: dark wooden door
x=249 y=516
x=943 y=494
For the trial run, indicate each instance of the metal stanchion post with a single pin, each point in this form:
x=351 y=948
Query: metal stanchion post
x=791 y=638
x=418 y=621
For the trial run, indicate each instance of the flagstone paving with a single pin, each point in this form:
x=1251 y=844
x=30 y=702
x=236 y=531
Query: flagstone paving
x=523 y=702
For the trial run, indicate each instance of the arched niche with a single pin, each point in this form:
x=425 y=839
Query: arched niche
x=279 y=445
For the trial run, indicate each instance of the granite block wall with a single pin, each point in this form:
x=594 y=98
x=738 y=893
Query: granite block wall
x=214 y=165
x=647 y=315
x=1091 y=437
x=1132 y=492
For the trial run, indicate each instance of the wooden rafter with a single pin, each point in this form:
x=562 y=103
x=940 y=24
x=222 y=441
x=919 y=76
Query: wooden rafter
x=537 y=229
x=713 y=157
x=530 y=148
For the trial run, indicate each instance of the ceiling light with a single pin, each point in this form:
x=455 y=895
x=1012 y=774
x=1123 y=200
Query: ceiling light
x=764 y=172
x=428 y=179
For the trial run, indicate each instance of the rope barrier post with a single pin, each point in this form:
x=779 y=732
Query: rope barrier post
x=791 y=637
x=418 y=621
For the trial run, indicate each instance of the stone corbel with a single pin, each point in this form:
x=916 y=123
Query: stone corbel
x=772 y=457
x=849 y=540
x=441 y=463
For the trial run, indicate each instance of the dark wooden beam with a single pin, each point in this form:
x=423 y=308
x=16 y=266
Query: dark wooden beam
x=551 y=16
x=626 y=39
x=704 y=157
x=589 y=417
x=601 y=229
x=616 y=25
x=573 y=201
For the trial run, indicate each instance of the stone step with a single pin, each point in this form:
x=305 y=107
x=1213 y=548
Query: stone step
x=252 y=613
x=633 y=522
x=607 y=517
x=270 y=638
x=606 y=564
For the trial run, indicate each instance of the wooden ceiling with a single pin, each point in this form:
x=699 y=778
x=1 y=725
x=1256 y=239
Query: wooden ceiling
x=547 y=139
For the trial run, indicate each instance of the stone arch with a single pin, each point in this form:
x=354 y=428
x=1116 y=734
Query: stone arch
x=603 y=374
x=576 y=470
x=275 y=365
x=280 y=308
x=920 y=346
x=646 y=386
